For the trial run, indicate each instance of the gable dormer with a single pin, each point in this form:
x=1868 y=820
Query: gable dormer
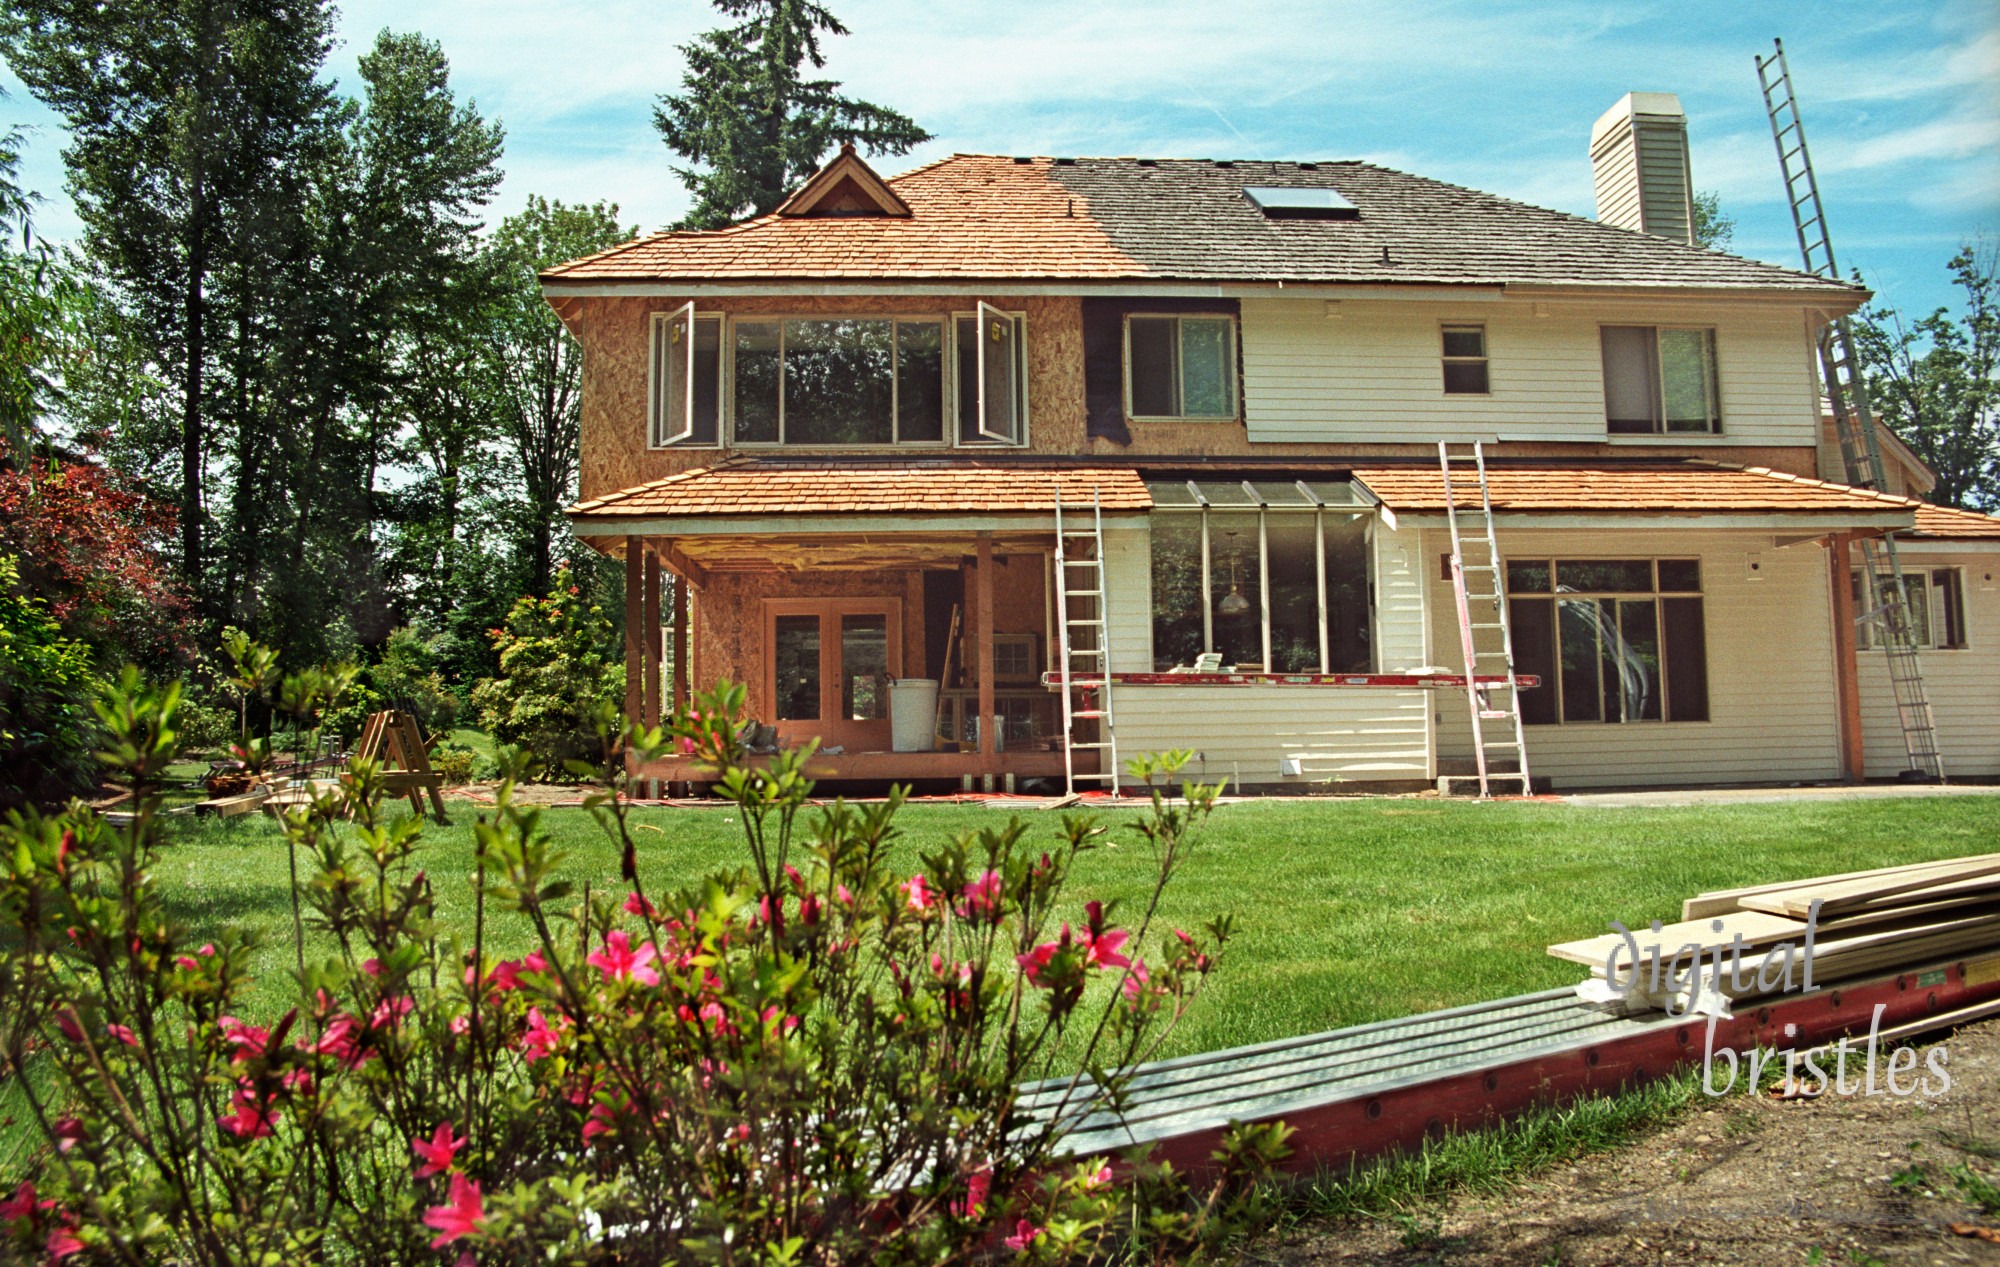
x=845 y=188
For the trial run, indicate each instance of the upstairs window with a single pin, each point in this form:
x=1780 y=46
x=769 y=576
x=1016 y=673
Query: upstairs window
x=1659 y=380
x=1465 y=360
x=1180 y=367
x=838 y=380
x=687 y=379
x=992 y=379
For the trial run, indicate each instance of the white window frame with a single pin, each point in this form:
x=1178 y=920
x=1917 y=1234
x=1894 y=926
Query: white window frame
x=656 y=378
x=1714 y=346
x=1924 y=582
x=1235 y=412
x=1446 y=360
x=954 y=428
x=946 y=323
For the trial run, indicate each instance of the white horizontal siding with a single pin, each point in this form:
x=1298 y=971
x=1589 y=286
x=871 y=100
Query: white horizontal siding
x=1963 y=685
x=1374 y=375
x=1244 y=733
x=1773 y=711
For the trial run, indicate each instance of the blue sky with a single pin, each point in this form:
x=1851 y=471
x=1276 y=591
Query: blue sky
x=1901 y=100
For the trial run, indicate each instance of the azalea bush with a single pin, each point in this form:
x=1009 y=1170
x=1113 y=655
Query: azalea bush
x=812 y=1059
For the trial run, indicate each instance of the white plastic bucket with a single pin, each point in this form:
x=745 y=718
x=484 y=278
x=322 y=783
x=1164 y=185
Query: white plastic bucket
x=913 y=714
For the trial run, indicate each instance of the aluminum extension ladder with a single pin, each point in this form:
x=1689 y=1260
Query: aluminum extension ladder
x=1883 y=589
x=1084 y=671
x=1482 y=620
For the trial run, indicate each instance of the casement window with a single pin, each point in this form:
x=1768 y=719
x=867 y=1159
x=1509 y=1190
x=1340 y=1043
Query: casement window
x=1273 y=577
x=686 y=379
x=1180 y=367
x=1613 y=640
x=1935 y=601
x=1659 y=380
x=992 y=378
x=1465 y=360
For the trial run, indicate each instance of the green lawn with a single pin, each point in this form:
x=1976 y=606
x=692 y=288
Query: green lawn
x=1347 y=911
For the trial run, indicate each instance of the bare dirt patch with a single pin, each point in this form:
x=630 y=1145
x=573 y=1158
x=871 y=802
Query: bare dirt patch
x=1849 y=1181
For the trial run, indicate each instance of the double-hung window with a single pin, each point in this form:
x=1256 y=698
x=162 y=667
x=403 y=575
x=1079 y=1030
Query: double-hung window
x=1465 y=360
x=1180 y=367
x=1659 y=380
x=1613 y=640
x=1271 y=577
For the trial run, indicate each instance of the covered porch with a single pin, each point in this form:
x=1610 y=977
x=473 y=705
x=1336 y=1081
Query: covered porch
x=821 y=586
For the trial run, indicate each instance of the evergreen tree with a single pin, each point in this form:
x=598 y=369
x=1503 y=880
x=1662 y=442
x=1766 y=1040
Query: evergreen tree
x=752 y=120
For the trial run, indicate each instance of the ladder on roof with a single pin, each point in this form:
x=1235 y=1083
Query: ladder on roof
x=1084 y=658
x=1479 y=589
x=1885 y=597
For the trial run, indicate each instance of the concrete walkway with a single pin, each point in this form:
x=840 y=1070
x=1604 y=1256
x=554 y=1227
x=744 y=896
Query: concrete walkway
x=1754 y=795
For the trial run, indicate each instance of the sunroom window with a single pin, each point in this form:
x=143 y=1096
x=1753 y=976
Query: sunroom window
x=1273 y=576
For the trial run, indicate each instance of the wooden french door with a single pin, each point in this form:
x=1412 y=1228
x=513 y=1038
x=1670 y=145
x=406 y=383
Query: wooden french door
x=827 y=665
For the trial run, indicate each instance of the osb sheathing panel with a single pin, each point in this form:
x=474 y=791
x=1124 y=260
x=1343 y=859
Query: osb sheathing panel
x=729 y=614
x=615 y=333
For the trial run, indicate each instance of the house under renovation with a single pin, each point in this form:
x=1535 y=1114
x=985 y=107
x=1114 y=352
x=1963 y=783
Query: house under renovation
x=1012 y=467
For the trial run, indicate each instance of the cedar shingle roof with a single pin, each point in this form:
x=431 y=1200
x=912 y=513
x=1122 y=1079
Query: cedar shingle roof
x=994 y=217
x=1678 y=487
x=753 y=487
x=1945 y=523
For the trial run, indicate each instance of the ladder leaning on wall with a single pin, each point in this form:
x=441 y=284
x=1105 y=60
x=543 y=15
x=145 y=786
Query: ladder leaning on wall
x=1479 y=591
x=1083 y=654
x=1883 y=589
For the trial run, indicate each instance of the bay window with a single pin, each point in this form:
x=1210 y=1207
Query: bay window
x=1613 y=640
x=1273 y=577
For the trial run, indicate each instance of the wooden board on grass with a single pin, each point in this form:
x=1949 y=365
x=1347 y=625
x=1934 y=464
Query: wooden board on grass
x=1722 y=901
x=1978 y=888
x=1759 y=929
x=1838 y=896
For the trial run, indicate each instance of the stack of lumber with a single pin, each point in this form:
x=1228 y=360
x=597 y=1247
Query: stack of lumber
x=1866 y=923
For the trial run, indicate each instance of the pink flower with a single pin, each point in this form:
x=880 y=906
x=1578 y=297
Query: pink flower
x=250 y=1041
x=373 y=967
x=843 y=894
x=437 y=1151
x=1033 y=962
x=597 y=1123
x=982 y=896
x=977 y=1186
x=917 y=891
x=71 y=1028
x=533 y=962
x=1025 y=1234
x=69 y=1133
x=506 y=975
x=391 y=1010
x=123 y=1033
x=460 y=1216
x=252 y=1119
x=541 y=1039
x=22 y=1205
x=619 y=962
x=1102 y=952
x=1135 y=981
x=342 y=1041
x=63 y=1241
x=636 y=905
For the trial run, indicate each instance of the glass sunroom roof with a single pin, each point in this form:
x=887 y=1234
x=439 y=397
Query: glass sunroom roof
x=1301 y=204
x=1244 y=494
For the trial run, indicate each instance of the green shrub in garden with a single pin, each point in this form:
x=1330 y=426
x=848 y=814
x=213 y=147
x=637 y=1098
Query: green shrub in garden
x=556 y=676
x=811 y=1059
x=454 y=765
x=47 y=733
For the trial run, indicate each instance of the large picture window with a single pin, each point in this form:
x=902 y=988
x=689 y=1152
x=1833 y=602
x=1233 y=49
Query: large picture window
x=1272 y=577
x=1935 y=601
x=838 y=380
x=1613 y=640
x=1180 y=367
x=1659 y=379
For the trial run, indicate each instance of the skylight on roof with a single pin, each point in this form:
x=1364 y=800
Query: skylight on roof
x=1301 y=204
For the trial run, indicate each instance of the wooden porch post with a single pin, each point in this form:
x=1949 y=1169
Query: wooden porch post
x=983 y=632
x=635 y=585
x=1846 y=662
x=650 y=621
x=681 y=678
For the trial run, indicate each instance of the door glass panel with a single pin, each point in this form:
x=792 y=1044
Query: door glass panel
x=1205 y=369
x=1639 y=659
x=1294 y=594
x=757 y=382
x=1347 y=605
x=919 y=381
x=1580 y=698
x=1235 y=603
x=864 y=668
x=837 y=382
x=796 y=660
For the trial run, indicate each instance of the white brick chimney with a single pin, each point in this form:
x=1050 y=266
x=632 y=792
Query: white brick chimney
x=1639 y=159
